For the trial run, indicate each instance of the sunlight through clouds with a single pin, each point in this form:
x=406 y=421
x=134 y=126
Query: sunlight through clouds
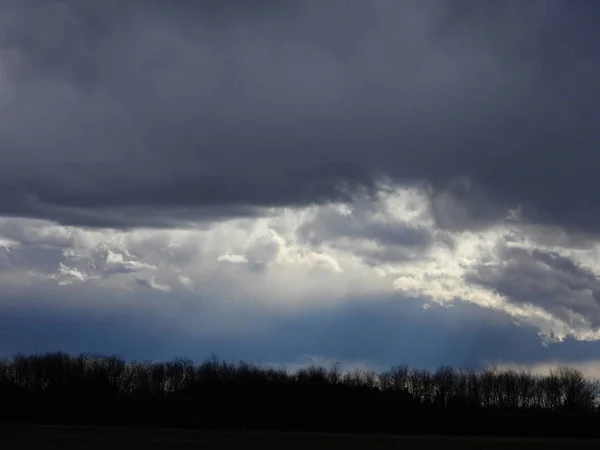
x=298 y=258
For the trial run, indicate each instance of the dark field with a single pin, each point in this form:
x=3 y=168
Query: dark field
x=62 y=437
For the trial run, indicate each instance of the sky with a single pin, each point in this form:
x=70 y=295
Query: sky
x=374 y=182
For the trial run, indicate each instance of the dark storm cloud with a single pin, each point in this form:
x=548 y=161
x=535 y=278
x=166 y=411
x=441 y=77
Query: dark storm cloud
x=152 y=112
x=544 y=279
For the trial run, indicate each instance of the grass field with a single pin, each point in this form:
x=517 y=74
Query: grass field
x=61 y=437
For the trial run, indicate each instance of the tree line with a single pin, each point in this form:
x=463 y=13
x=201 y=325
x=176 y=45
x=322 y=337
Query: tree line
x=59 y=388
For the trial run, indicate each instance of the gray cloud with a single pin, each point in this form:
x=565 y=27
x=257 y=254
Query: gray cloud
x=545 y=279
x=371 y=231
x=152 y=113
x=360 y=223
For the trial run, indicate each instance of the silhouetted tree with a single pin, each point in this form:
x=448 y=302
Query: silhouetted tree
x=59 y=388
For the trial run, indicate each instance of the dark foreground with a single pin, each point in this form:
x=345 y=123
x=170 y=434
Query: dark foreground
x=64 y=437
x=215 y=395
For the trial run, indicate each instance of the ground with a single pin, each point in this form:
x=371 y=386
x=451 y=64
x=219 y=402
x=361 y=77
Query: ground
x=99 y=438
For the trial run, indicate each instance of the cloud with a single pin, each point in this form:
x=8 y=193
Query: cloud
x=218 y=167
x=156 y=114
x=385 y=227
x=545 y=279
x=293 y=260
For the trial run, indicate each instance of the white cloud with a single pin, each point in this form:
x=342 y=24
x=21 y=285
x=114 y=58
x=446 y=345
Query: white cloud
x=232 y=258
x=297 y=258
x=68 y=275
